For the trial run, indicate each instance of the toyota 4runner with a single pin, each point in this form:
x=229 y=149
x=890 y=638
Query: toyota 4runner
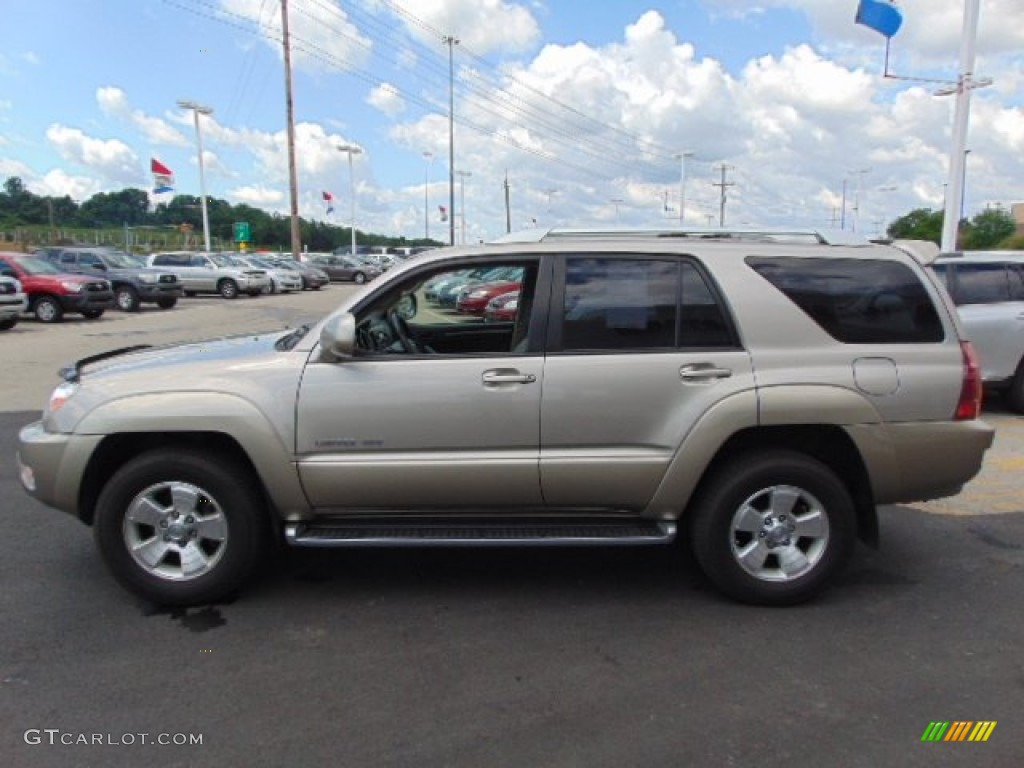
x=758 y=394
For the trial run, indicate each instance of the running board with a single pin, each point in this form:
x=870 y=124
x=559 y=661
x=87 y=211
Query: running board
x=479 y=534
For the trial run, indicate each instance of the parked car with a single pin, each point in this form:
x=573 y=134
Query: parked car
x=52 y=293
x=313 y=278
x=988 y=289
x=449 y=292
x=343 y=267
x=502 y=308
x=220 y=273
x=281 y=280
x=134 y=283
x=473 y=299
x=760 y=394
x=12 y=302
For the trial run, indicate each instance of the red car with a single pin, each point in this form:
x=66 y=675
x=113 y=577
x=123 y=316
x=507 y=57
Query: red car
x=51 y=292
x=473 y=299
x=502 y=308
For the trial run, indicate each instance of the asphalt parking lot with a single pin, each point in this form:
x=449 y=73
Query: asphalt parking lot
x=517 y=658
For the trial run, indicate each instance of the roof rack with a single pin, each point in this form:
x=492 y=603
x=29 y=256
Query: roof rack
x=818 y=236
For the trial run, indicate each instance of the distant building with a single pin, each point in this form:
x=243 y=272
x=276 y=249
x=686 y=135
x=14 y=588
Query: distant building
x=1017 y=211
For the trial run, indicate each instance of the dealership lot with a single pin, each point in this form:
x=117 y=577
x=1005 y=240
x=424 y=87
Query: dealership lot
x=517 y=658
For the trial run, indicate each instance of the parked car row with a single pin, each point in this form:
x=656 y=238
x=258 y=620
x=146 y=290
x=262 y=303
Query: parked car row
x=54 y=281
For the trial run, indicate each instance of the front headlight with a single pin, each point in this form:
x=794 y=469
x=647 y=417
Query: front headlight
x=70 y=286
x=477 y=294
x=61 y=395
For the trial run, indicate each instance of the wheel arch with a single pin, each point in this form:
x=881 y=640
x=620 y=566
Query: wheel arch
x=114 y=450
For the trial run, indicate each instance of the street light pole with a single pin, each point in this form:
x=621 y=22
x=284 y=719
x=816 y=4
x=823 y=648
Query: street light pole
x=429 y=158
x=462 y=200
x=199 y=109
x=351 y=149
x=856 y=196
x=451 y=42
x=681 y=157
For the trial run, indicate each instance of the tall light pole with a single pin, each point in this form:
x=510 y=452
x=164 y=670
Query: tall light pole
x=963 y=187
x=966 y=82
x=463 y=175
x=681 y=157
x=351 y=149
x=451 y=42
x=429 y=158
x=616 y=201
x=293 y=184
x=197 y=110
x=856 y=196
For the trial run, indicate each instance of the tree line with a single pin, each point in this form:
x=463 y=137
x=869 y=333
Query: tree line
x=993 y=228
x=130 y=207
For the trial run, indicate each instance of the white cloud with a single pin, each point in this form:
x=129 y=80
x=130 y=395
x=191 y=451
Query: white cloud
x=57 y=183
x=114 y=102
x=322 y=35
x=31 y=57
x=256 y=195
x=387 y=99
x=111 y=158
x=482 y=25
x=10 y=167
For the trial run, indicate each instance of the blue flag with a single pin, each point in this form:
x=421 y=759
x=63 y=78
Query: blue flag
x=885 y=18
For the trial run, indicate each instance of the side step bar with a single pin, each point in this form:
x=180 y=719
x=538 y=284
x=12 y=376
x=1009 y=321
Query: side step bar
x=410 y=533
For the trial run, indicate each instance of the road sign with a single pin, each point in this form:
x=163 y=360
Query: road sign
x=242 y=233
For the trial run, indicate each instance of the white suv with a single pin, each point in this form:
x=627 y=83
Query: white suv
x=988 y=290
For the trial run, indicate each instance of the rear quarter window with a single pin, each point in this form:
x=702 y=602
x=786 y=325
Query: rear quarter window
x=856 y=301
x=981 y=284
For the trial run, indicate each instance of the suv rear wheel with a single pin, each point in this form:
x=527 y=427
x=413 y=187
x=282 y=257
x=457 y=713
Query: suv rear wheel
x=180 y=528
x=1014 y=396
x=772 y=529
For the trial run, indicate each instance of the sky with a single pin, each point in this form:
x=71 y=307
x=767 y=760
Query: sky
x=584 y=107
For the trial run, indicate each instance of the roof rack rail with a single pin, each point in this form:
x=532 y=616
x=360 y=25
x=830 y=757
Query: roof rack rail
x=819 y=236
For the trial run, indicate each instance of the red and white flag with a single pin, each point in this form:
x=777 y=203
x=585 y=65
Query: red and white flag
x=163 y=177
x=329 y=199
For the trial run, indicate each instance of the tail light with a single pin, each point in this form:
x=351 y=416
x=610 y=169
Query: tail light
x=969 y=405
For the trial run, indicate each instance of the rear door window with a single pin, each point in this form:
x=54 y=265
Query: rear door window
x=981 y=284
x=856 y=301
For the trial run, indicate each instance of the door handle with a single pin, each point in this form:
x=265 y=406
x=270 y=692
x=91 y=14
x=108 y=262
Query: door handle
x=703 y=372
x=507 y=376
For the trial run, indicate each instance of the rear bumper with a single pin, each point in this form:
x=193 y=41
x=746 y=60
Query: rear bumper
x=922 y=460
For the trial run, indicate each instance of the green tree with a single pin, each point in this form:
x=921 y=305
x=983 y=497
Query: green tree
x=919 y=224
x=987 y=229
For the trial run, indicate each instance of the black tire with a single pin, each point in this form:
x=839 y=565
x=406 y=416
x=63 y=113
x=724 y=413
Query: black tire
x=92 y=314
x=126 y=298
x=221 y=500
x=731 y=517
x=166 y=303
x=227 y=288
x=47 y=310
x=10 y=322
x=1014 y=395
x=358 y=278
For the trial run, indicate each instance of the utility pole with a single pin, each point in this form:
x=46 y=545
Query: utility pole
x=462 y=200
x=293 y=184
x=451 y=42
x=508 y=206
x=616 y=201
x=723 y=185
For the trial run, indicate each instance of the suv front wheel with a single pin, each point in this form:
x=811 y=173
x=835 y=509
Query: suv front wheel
x=180 y=528
x=774 y=528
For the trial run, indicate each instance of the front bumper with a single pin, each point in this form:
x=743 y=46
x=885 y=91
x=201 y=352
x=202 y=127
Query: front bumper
x=51 y=466
x=86 y=300
x=150 y=292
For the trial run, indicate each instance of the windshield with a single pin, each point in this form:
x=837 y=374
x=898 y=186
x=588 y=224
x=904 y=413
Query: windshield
x=34 y=266
x=122 y=260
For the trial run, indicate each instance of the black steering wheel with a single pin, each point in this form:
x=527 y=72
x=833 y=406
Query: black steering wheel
x=401 y=329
